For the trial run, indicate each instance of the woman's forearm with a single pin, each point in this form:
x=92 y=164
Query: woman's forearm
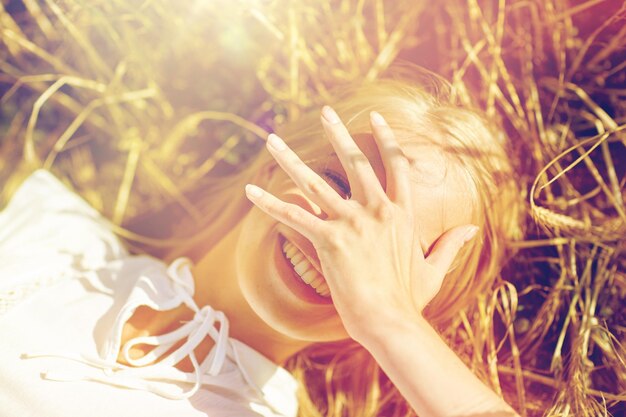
x=428 y=373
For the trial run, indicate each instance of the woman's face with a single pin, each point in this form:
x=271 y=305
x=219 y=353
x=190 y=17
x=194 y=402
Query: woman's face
x=268 y=280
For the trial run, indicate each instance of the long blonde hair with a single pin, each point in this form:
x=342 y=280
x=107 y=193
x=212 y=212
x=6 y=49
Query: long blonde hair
x=341 y=379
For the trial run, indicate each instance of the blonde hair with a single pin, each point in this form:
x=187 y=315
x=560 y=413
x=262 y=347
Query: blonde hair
x=341 y=379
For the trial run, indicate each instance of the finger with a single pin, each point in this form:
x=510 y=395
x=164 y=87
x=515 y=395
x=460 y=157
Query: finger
x=311 y=184
x=448 y=246
x=394 y=161
x=290 y=214
x=364 y=184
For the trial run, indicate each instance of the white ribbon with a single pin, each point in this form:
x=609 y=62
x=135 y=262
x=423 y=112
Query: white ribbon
x=145 y=371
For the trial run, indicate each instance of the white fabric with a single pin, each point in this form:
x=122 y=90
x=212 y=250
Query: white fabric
x=67 y=287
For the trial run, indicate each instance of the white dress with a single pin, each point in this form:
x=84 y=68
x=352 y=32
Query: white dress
x=67 y=286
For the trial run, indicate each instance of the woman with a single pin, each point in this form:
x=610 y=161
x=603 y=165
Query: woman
x=347 y=254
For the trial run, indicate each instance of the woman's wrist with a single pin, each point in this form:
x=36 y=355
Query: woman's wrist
x=376 y=328
x=425 y=369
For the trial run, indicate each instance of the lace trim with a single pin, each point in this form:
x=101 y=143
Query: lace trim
x=14 y=296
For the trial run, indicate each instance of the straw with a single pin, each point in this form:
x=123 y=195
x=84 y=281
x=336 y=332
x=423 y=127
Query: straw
x=135 y=102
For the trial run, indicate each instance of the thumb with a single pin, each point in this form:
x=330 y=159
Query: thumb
x=448 y=246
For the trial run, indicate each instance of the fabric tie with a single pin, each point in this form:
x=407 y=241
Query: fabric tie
x=146 y=372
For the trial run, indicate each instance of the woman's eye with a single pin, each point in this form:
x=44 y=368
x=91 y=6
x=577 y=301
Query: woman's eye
x=342 y=186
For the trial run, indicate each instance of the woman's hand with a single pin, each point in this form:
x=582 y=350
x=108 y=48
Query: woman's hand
x=377 y=272
x=368 y=245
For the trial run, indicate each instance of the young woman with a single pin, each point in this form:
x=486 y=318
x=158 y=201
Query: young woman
x=360 y=232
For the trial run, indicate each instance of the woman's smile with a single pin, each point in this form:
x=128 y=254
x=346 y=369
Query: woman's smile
x=297 y=268
x=305 y=269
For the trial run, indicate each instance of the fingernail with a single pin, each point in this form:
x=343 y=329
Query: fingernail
x=470 y=233
x=276 y=143
x=330 y=115
x=377 y=119
x=253 y=191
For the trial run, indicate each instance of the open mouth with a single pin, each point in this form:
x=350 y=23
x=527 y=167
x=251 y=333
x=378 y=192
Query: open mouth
x=303 y=278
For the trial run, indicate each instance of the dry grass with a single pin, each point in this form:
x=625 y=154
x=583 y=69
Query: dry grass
x=133 y=102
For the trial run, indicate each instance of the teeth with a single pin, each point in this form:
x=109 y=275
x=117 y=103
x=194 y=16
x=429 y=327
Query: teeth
x=324 y=292
x=308 y=276
x=290 y=251
x=302 y=267
x=305 y=270
x=297 y=258
x=317 y=281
